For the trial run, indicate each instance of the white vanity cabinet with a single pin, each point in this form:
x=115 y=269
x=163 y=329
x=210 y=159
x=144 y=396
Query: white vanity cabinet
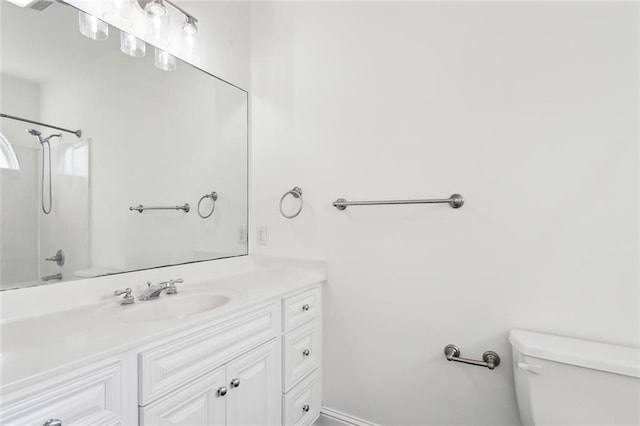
x=102 y=393
x=302 y=357
x=254 y=366
x=243 y=392
x=226 y=373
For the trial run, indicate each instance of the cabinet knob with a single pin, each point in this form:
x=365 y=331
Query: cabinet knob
x=222 y=391
x=235 y=383
x=306 y=352
x=305 y=307
x=53 y=422
x=306 y=408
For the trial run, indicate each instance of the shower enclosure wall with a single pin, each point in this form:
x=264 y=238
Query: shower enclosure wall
x=27 y=235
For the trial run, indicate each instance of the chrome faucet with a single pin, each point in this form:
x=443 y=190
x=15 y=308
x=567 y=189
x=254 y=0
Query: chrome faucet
x=153 y=290
x=57 y=276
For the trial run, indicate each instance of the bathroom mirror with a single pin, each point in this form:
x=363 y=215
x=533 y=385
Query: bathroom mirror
x=150 y=138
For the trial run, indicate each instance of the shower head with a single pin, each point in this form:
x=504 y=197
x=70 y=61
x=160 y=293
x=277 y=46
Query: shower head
x=57 y=135
x=38 y=134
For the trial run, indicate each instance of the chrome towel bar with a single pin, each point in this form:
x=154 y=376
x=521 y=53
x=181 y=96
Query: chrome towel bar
x=490 y=359
x=455 y=201
x=140 y=208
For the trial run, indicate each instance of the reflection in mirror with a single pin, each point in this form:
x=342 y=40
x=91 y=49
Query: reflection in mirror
x=150 y=138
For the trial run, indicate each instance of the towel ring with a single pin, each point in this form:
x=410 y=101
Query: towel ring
x=214 y=197
x=297 y=193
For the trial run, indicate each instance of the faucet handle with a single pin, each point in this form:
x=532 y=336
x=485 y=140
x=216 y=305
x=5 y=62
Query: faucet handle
x=128 y=297
x=172 y=286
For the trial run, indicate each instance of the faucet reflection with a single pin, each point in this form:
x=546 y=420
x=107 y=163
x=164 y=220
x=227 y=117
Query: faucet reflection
x=153 y=290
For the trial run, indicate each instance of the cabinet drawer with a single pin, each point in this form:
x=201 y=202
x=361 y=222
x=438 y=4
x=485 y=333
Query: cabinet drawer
x=301 y=405
x=302 y=350
x=180 y=361
x=86 y=397
x=301 y=308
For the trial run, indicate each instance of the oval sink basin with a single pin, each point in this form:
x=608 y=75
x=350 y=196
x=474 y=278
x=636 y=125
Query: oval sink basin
x=172 y=307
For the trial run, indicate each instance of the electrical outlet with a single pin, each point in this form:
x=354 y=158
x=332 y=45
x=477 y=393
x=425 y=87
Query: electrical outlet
x=242 y=235
x=261 y=234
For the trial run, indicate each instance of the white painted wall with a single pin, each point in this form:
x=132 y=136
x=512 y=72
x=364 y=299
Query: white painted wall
x=530 y=110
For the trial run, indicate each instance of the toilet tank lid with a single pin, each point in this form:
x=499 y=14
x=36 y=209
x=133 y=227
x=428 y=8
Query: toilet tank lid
x=584 y=353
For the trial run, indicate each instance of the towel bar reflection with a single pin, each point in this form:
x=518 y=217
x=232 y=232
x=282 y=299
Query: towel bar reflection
x=140 y=208
x=490 y=359
x=455 y=201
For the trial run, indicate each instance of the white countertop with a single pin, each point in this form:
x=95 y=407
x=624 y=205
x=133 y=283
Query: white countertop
x=38 y=347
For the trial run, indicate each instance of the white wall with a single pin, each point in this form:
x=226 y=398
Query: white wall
x=527 y=109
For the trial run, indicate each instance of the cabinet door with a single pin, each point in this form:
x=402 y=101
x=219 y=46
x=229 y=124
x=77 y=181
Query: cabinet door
x=202 y=403
x=254 y=387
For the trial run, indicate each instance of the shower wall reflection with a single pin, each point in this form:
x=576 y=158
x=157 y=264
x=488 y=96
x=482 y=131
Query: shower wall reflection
x=27 y=235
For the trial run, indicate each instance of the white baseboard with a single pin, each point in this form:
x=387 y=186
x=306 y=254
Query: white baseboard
x=344 y=418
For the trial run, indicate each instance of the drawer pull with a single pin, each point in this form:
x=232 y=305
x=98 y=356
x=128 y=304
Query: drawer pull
x=53 y=422
x=235 y=383
x=306 y=408
x=305 y=307
x=222 y=391
x=306 y=352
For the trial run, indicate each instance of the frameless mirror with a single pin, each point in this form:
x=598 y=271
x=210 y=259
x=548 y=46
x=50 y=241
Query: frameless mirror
x=77 y=207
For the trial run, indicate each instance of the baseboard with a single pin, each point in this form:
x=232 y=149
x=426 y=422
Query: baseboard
x=344 y=418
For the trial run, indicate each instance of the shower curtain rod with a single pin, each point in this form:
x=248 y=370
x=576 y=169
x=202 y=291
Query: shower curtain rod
x=78 y=132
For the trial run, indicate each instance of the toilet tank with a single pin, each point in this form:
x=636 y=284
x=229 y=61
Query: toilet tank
x=567 y=381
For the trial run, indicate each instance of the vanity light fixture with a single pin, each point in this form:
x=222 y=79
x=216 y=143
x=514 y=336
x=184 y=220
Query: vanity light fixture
x=190 y=28
x=131 y=45
x=92 y=27
x=118 y=12
x=165 y=61
x=155 y=8
x=157 y=13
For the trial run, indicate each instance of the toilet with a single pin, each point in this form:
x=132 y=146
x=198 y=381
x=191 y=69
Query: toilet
x=567 y=381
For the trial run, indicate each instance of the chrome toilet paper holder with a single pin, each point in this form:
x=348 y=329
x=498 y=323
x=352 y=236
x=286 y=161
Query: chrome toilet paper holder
x=490 y=359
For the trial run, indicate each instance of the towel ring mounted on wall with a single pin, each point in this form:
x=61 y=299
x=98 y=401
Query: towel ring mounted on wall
x=214 y=197
x=296 y=192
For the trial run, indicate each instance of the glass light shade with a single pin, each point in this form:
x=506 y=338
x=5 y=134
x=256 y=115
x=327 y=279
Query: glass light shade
x=92 y=27
x=191 y=47
x=155 y=8
x=157 y=29
x=164 y=61
x=132 y=45
x=118 y=12
x=190 y=28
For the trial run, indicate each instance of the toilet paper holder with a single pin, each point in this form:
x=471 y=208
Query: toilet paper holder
x=490 y=359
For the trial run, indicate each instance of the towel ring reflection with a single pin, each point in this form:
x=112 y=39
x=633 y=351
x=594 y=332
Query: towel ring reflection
x=214 y=197
x=297 y=193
